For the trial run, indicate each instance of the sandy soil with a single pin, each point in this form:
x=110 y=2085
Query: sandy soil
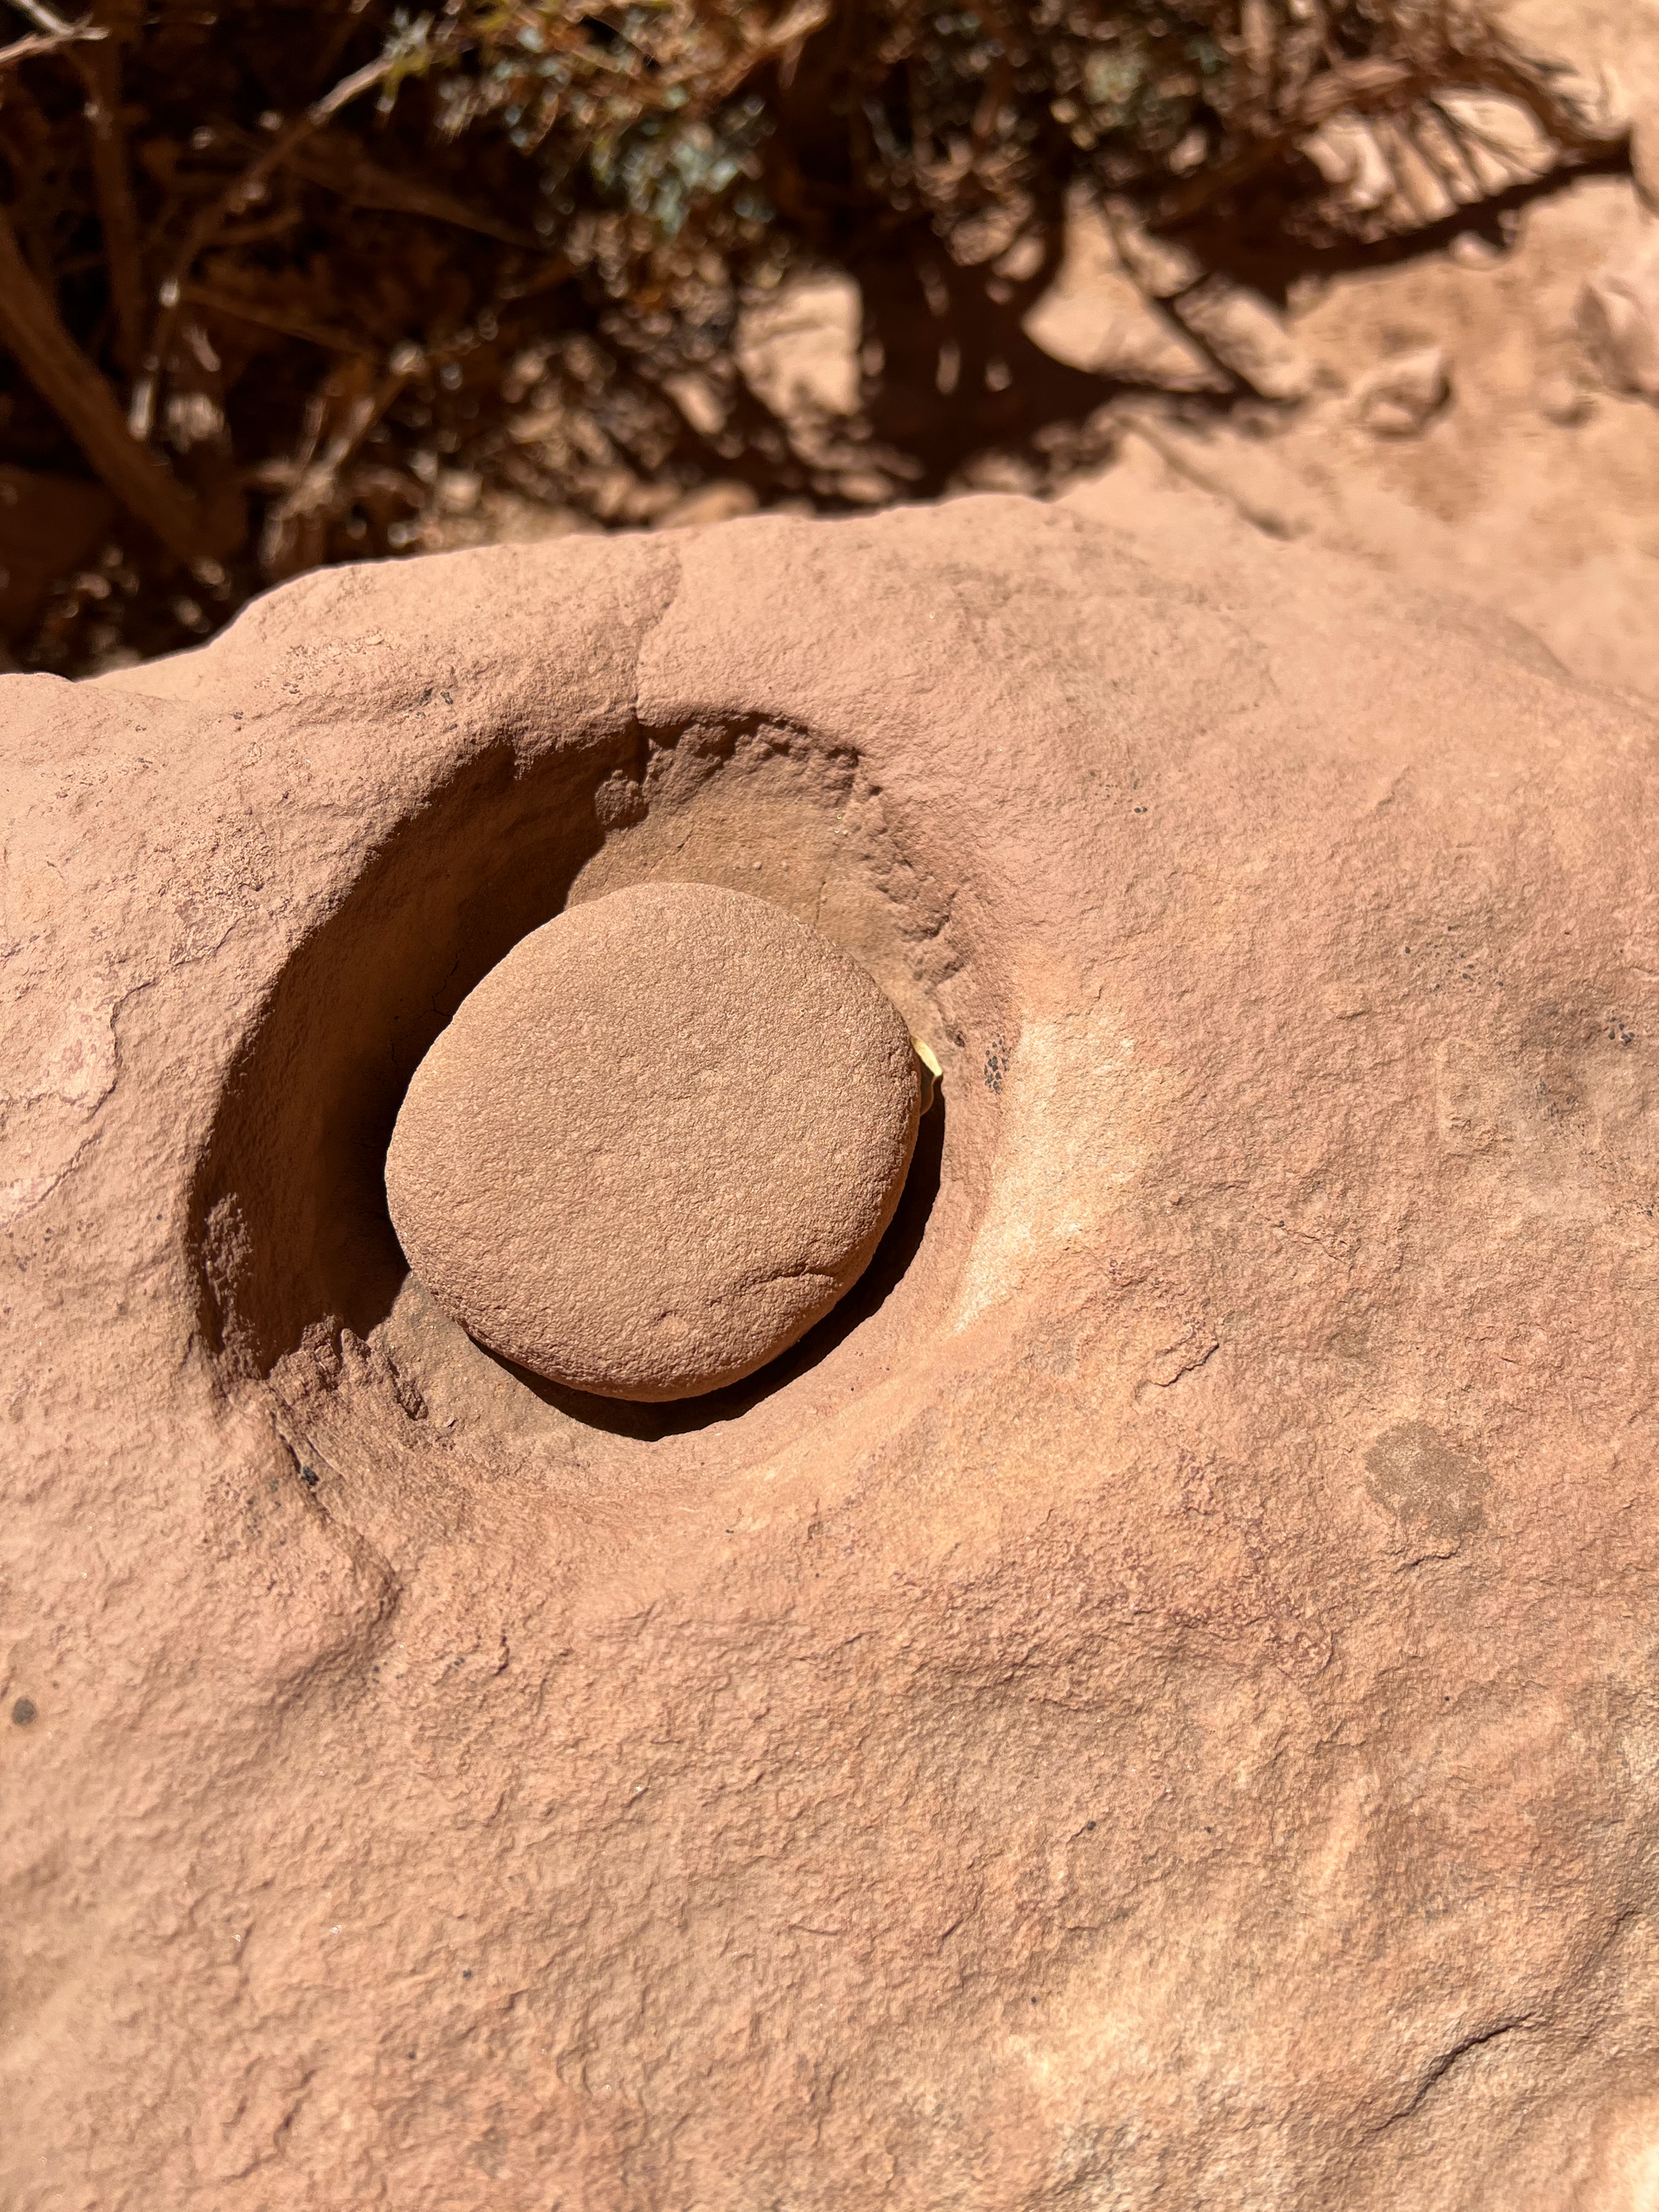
x=1534 y=490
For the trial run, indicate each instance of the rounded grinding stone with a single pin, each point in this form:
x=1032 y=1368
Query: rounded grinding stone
x=655 y=1143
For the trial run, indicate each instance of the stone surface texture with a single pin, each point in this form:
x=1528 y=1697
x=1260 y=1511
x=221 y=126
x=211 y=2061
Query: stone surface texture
x=657 y=1143
x=1152 y=1703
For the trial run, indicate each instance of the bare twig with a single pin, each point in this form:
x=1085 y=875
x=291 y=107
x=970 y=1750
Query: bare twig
x=100 y=72
x=66 y=380
x=554 y=270
x=44 y=18
x=316 y=478
x=1469 y=56
x=263 y=227
x=335 y=161
x=292 y=323
x=764 y=46
x=25 y=49
x=239 y=195
x=338 y=39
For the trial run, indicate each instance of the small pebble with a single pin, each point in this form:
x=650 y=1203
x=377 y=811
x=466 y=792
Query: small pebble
x=1402 y=398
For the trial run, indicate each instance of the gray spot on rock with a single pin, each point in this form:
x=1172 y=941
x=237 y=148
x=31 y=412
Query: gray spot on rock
x=1412 y=1472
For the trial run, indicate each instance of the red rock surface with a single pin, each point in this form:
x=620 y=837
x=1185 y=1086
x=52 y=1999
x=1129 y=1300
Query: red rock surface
x=1151 y=1705
x=656 y=1142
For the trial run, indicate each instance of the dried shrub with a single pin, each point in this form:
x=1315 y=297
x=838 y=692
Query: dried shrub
x=292 y=279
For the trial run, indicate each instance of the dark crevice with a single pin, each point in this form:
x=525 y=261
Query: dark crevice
x=1438 y=2071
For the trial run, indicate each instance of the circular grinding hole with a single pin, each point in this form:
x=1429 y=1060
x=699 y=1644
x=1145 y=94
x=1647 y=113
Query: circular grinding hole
x=656 y=1142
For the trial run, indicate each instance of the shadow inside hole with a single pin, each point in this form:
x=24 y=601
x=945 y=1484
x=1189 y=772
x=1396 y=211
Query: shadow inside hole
x=649 y=1423
x=289 y=1202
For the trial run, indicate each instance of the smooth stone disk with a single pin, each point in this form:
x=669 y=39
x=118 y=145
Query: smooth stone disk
x=656 y=1142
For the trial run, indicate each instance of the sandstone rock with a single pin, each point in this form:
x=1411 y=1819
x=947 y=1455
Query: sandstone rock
x=1245 y=334
x=798 y=347
x=1161 y=268
x=657 y=1143
x=1348 y=154
x=1479 y=146
x=1153 y=1710
x=1475 y=250
x=1554 y=533
x=1400 y=397
x=1618 y=319
x=1096 y=316
x=1607 y=56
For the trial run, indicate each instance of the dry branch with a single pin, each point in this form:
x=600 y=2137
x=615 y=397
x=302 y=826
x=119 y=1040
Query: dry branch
x=44 y=18
x=100 y=72
x=264 y=316
x=234 y=201
x=339 y=165
x=69 y=383
x=28 y=50
x=557 y=215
